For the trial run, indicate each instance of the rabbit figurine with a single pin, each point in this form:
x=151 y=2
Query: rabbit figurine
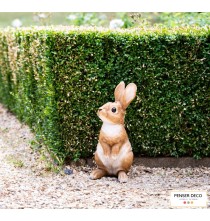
x=114 y=154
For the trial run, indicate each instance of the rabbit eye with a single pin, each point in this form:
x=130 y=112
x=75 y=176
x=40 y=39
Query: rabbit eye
x=114 y=109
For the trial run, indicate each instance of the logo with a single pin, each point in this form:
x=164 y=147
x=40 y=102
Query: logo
x=188 y=198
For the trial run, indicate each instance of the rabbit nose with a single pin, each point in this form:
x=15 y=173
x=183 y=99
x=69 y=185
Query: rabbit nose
x=100 y=109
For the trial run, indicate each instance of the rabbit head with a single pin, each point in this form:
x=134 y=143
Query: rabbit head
x=114 y=112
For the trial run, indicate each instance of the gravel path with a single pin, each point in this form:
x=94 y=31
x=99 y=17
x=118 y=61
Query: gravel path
x=27 y=182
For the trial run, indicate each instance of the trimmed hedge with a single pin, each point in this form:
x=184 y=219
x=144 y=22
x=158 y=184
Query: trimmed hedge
x=55 y=78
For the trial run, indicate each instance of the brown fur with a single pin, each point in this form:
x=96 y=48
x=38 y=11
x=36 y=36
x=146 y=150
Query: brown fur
x=114 y=154
x=110 y=142
x=127 y=162
x=105 y=111
x=99 y=162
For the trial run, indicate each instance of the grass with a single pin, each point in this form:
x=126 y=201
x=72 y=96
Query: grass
x=12 y=159
x=50 y=166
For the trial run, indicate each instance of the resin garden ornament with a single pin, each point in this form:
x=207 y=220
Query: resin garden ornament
x=114 y=154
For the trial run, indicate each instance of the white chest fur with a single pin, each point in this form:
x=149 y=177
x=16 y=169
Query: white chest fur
x=112 y=163
x=112 y=130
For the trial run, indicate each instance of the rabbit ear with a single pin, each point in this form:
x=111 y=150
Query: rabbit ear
x=129 y=95
x=119 y=91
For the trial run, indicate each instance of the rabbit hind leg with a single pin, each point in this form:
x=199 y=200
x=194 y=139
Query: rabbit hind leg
x=122 y=177
x=97 y=174
x=101 y=171
x=125 y=166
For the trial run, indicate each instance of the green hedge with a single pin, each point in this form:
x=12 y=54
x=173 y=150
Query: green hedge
x=55 y=78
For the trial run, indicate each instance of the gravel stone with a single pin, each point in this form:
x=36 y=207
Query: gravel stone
x=68 y=171
x=27 y=182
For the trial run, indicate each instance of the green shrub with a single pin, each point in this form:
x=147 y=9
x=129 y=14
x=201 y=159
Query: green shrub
x=54 y=79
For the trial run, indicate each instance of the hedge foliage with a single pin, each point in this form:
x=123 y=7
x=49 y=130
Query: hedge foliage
x=55 y=78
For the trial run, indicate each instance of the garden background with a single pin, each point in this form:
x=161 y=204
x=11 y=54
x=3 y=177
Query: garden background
x=54 y=78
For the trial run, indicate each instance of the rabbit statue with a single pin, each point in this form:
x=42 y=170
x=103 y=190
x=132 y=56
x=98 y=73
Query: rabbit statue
x=114 y=154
